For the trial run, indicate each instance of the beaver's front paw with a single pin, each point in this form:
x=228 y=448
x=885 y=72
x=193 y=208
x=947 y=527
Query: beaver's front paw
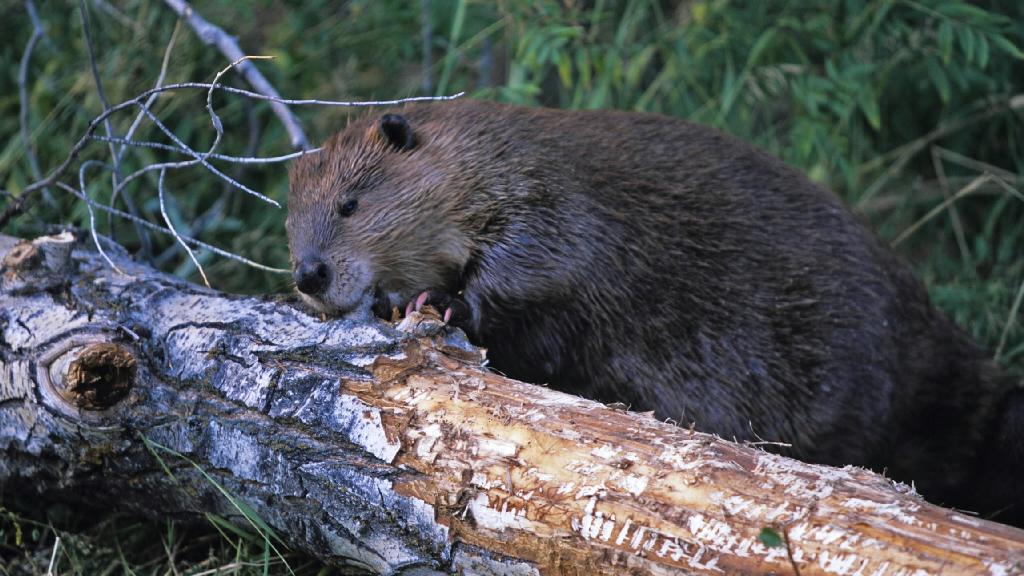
x=455 y=308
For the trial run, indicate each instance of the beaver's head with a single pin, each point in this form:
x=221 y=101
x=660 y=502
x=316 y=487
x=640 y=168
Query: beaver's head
x=377 y=216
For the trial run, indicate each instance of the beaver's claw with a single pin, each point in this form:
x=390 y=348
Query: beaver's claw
x=455 y=308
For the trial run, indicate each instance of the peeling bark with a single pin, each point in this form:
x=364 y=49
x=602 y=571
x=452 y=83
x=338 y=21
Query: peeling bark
x=395 y=450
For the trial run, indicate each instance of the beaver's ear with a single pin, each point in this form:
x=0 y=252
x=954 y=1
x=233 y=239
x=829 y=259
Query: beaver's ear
x=397 y=132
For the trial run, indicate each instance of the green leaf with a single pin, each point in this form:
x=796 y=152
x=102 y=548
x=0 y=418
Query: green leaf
x=966 y=12
x=1008 y=47
x=945 y=37
x=770 y=538
x=762 y=43
x=564 y=68
x=868 y=104
x=982 y=51
x=966 y=42
x=583 y=68
x=939 y=79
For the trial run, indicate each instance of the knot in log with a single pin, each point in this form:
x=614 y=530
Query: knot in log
x=100 y=376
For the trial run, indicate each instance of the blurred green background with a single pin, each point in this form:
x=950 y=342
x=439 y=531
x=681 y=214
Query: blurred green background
x=895 y=104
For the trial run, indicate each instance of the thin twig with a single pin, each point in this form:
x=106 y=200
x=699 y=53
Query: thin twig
x=170 y=226
x=115 y=174
x=789 y=551
x=214 y=118
x=157 y=228
x=215 y=212
x=26 y=57
x=53 y=557
x=149 y=101
x=1010 y=321
x=83 y=11
x=954 y=214
x=198 y=159
x=92 y=213
x=212 y=35
x=904 y=153
x=15 y=207
x=222 y=157
x=974 y=185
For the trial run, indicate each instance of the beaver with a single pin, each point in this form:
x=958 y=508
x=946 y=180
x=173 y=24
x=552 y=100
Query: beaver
x=647 y=260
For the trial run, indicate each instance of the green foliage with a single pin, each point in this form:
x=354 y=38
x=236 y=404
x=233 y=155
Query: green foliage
x=807 y=80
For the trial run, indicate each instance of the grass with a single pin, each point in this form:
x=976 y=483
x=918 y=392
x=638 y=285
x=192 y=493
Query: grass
x=60 y=543
x=912 y=110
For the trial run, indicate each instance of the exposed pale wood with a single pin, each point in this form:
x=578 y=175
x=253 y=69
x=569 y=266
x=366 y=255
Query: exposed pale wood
x=396 y=451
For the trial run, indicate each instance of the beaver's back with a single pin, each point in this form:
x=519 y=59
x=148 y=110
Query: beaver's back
x=682 y=270
x=643 y=259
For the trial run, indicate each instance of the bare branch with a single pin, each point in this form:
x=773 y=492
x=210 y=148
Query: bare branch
x=214 y=118
x=115 y=175
x=199 y=159
x=149 y=102
x=26 y=57
x=982 y=110
x=170 y=226
x=222 y=157
x=198 y=243
x=92 y=214
x=214 y=36
x=17 y=206
x=954 y=213
x=119 y=145
x=83 y=11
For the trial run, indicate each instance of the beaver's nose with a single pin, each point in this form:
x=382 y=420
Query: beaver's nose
x=311 y=276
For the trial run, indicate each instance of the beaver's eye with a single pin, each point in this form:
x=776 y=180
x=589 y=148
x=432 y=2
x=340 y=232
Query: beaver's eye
x=347 y=208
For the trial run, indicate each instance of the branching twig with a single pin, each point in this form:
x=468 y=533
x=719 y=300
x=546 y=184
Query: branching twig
x=18 y=205
x=149 y=101
x=215 y=212
x=156 y=228
x=84 y=13
x=214 y=36
x=119 y=146
x=92 y=213
x=115 y=174
x=26 y=57
x=170 y=226
x=954 y=213
x=124 y=142
x=904 y=153
x=198 y=159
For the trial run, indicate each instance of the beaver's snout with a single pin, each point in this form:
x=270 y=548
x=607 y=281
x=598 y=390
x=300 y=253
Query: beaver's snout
x=312 y=276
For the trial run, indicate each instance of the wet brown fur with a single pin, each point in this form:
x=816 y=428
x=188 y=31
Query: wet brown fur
x=644 y=259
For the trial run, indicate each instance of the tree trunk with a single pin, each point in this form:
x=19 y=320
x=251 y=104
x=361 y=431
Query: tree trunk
x=395 y=450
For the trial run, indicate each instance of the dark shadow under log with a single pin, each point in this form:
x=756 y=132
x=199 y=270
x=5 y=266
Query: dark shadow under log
x=394 y=450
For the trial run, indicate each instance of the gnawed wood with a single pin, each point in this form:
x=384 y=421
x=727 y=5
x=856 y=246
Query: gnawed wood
x=395 y=450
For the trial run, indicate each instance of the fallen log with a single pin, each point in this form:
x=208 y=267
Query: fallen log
x=397 y=451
